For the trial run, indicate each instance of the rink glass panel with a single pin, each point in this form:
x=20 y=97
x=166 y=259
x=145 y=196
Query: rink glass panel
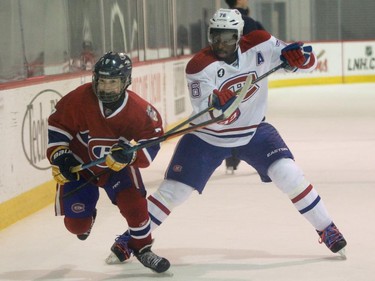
x=49 y=37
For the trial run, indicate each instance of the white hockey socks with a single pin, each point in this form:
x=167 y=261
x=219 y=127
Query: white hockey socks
x=290 y=179
x=169 y=195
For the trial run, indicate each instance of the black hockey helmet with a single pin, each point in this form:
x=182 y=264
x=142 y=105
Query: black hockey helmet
x=110 y=66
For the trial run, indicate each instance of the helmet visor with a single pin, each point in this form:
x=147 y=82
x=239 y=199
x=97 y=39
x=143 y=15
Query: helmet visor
x=227 y=37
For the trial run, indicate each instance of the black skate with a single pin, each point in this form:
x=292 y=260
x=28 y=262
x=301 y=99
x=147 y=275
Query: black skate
x=120 y=251
x=151 y=260
x=84 y=236
x=232 y=163
x=333 y=239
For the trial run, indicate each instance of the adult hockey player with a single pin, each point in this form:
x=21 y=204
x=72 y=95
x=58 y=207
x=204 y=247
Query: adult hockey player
x=100 y=119
x=213 y=75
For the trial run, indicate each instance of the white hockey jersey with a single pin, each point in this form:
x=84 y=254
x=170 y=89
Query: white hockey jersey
x=258 y=53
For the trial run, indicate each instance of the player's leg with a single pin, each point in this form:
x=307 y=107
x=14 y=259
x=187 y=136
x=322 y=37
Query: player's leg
x=289 y=178
x=274 y=161
x=79 y=209
x=169 y=195
x=126 y=190
x=133 y=206
x=191 y=166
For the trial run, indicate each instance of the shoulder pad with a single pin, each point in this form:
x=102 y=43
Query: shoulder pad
x=202 y=59
x=253 y=38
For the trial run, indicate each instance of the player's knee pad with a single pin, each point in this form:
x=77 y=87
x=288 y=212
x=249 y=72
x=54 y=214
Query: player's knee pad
x=78 y=225
x=287 y=176
x=172 y=193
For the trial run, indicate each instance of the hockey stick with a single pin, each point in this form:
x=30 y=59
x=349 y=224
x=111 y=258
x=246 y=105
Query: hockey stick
x=82 y=167
x=73 y=191
x=134 y=148
x=187 y=121
x=174 y=133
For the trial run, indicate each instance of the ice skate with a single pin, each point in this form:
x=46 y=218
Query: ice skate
x=333 y=239
x=231 y=164
x=84 y=236
x=120 y=251
x=151 y=260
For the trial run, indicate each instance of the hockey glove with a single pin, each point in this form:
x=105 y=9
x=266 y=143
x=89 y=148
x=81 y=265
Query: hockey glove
x=221 y=100
x=118 y=157
x=296 y=55
x=62 y=161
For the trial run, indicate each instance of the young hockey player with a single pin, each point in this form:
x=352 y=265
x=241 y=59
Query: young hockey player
x=98 y=119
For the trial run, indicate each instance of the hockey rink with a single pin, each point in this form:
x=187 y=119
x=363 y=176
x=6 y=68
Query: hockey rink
x=239 y=229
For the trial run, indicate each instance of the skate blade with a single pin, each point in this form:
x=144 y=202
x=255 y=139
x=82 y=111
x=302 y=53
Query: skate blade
x=113 y=259
x=168 y=274
x=229 y=171
x=164 y=274
x=342 y=253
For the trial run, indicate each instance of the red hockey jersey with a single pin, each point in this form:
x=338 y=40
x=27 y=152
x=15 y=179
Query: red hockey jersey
x=79 y=122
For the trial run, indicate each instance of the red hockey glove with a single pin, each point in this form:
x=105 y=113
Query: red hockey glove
x=118 y=158
x=63 y=161
x=221 y=100
x=296 y=55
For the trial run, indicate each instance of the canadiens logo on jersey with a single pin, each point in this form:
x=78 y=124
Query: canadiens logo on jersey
x=235 y=115
x=99 y=148
x=236 y=85
x=238 y=82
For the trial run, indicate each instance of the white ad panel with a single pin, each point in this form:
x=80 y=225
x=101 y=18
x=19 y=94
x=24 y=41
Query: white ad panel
x=359 y=58
x=23 y=123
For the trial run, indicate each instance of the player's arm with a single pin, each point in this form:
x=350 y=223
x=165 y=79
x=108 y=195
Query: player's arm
x=200 y=89
x=63 y=160
x=58 y=151
x=152 y=128
x=60 y=155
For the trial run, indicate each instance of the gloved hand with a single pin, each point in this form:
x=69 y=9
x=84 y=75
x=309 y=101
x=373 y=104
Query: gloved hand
x=221 y=100
x=118 y=158
x=62 y=161
x=296 y=55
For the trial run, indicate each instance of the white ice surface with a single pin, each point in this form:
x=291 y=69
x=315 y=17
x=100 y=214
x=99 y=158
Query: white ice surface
x=240 y=228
